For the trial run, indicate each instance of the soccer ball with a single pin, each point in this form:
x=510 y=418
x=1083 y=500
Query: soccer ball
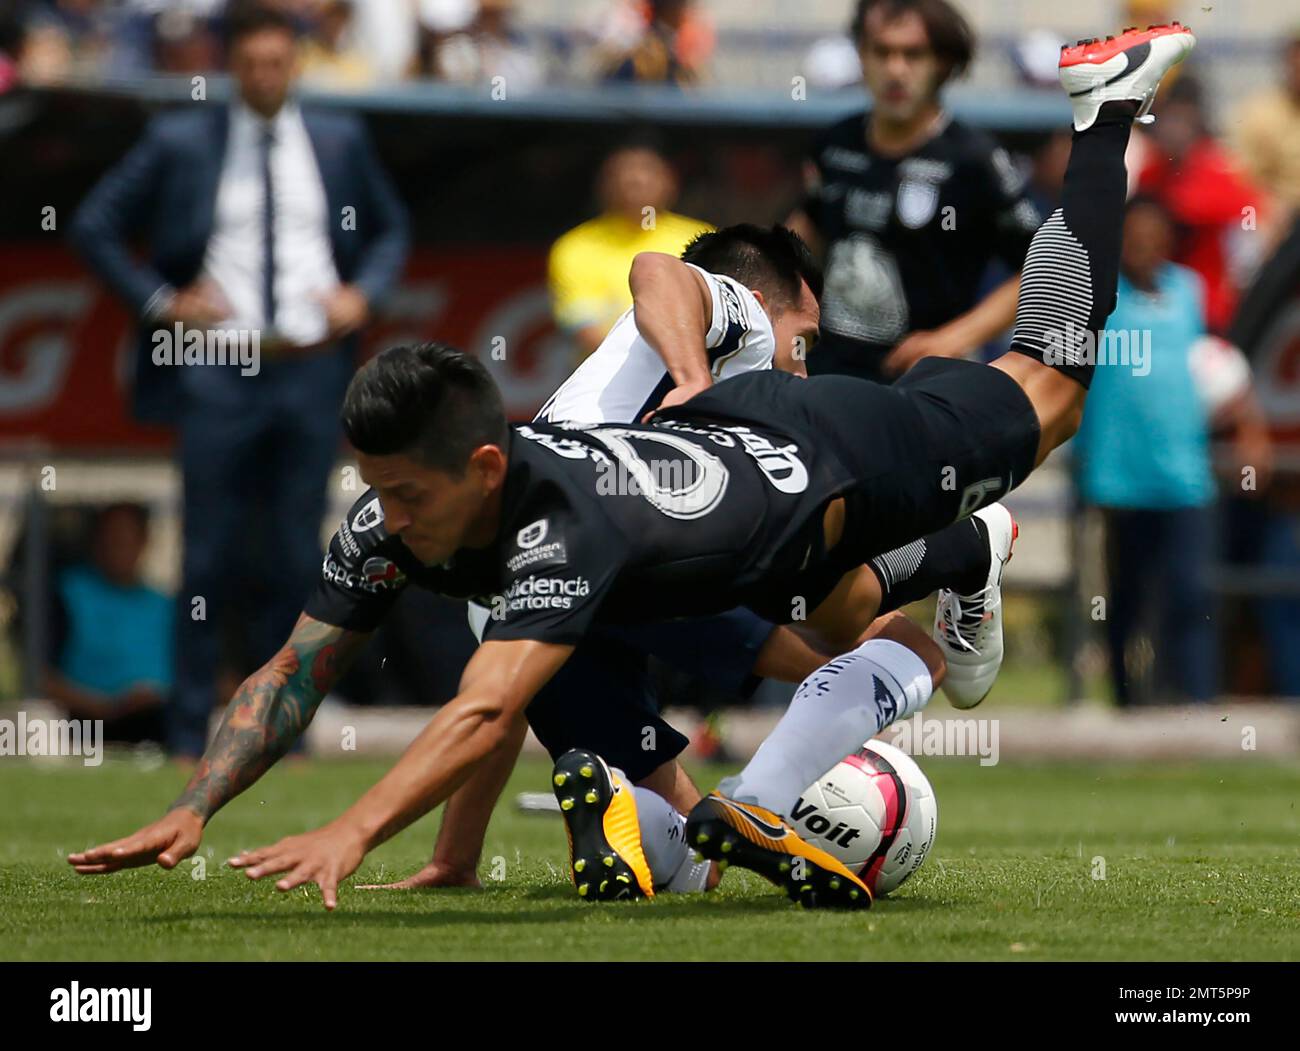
x=875 y=812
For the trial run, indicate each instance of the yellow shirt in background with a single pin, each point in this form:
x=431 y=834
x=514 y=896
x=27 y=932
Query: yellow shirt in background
x=1266 y=136
x=589 y=265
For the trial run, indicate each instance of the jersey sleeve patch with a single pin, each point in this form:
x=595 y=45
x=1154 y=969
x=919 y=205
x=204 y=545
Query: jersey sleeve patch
x=361 y=573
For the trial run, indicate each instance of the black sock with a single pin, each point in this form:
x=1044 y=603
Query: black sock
x=956 y=557
x=1071 y=274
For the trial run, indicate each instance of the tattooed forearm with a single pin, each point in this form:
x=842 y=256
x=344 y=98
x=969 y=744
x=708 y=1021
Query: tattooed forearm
x=269 y=711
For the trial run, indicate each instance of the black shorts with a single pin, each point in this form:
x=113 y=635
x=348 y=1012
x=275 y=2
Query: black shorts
x=948 y=438
x=602 y=698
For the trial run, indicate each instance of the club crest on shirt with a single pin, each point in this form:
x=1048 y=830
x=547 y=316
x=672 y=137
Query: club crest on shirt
x=368 y=517
x=917 y=201
x=381 y=574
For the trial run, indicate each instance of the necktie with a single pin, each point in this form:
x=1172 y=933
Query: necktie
x=268 y=232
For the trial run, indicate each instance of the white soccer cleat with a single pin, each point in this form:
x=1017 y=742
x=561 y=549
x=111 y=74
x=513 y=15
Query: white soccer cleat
x=1121 y=68
x=968 y=628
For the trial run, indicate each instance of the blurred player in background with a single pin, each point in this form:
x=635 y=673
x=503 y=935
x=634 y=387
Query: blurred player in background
x=908 y=206
x=588 y=266
x=246 y=207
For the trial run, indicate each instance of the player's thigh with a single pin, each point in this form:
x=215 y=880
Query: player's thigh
x=844 y=616
x=601 y=700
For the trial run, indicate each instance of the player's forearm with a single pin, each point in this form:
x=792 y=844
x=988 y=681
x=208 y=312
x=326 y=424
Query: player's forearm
x=445 y=754
x=673 y=310
x=465 y=821
x=268 y=713
x=995 y=313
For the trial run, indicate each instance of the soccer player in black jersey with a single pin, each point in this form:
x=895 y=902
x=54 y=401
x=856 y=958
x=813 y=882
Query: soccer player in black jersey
x=908 y=206
x=766 y=491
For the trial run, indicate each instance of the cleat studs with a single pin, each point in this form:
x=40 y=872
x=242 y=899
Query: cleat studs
x=854 y=895
x=591 y=796
x=835 y=883
x=623 y=878
x=586 y=771
x=580 y=864
x=559 y=780
x=806 y=889
x=582 y=891
x=699 y=858
x=723 y=865
x=783 y=867
x=609 y=861
x=727 y=844
x=703 y=837
x=603 y=884
x=566 y=803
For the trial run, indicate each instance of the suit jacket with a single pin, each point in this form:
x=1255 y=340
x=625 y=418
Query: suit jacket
x=166 y=189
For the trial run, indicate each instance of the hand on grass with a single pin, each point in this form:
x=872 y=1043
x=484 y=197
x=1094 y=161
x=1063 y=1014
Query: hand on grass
x=324 y=857
x=167 y=842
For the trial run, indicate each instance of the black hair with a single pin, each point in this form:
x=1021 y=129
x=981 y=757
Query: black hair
x=770 y=259
x=431 y=402
x=951 y=37
x=246 y=17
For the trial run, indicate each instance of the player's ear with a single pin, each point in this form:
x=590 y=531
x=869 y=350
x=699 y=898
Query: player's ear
x=488 y=463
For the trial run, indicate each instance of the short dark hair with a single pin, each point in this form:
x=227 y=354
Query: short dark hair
x=246 y=17
x=431 y=402
x=770 y=259
x=951 y=37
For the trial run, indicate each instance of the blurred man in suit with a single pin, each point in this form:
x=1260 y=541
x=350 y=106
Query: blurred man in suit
x=262 y=218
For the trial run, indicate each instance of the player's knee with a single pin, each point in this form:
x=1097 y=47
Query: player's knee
x=899 y=627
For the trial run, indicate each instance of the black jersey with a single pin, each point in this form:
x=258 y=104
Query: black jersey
x=615 y=523
x=908 y=239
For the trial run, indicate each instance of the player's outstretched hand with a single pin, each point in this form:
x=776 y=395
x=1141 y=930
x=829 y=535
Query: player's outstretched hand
x=433 y=875
x=324 y=857
x=167 y=842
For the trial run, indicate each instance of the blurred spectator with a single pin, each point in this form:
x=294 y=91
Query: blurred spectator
x=11 y=43
x=63 y=38
x=1143 y=457
x=588 y=266
x=909 y=207
x=114 y=635
x=329 y=58
x=1267 y=135
x=1204 y=190
x=474 y=42
x=267 y=219
x=656 y=42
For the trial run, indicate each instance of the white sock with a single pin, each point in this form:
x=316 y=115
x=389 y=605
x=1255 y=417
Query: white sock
x=835 y=711
x=663 y=838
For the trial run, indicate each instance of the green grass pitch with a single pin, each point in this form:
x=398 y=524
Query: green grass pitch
x=1201 y=862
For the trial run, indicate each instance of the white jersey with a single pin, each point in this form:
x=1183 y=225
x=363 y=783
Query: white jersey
x=624 y=378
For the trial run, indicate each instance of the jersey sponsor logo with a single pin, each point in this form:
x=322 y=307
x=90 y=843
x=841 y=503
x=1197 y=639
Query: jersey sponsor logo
x=377 y=574
x=779 y=463
x=917 y=201
x=534 y=548
x=534 y=593
x=368 y=517
x=533 y=534
x=867 y=209
x=864 y=297
x=845 y=160
x=347 y=541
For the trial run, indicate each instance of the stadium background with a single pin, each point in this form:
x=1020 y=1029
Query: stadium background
x=490 y=183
